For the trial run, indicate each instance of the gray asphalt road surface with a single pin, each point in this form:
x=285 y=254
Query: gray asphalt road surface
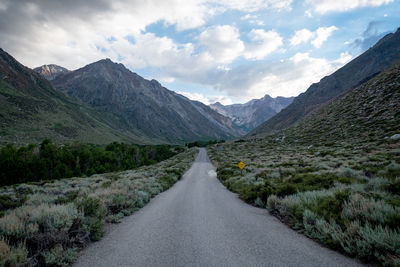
x=198 y=222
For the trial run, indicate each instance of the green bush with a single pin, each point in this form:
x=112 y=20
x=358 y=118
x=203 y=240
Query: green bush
x=55 y=218
x=58 y=256
x=94 y=212
x=12 y=256
x=166 y=181
x=331 y=207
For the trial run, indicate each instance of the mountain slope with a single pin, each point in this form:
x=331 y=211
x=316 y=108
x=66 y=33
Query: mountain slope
x=31 y=110
x=132 y=103
x=375 y=60
x=251 y=114
x=371 y=112
x=51 y=71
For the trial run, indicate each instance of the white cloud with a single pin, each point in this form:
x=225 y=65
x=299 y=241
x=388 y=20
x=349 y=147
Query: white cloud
x=222 y=42
x=323 y=34
x=70 y=33
x=248 y=16
x=207 y=99
x=319 y=36
x=344 y=58
x=293 y=76
x=301 y=36
x=263 y=43
x=324 y=6
x=255 y=5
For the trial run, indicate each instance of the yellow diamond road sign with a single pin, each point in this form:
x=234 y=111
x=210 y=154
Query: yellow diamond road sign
x=241 y=165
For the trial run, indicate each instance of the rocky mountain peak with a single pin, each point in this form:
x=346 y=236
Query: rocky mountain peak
x=51 y=71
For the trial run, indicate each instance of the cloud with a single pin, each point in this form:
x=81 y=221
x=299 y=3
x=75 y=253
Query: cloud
x=301 y=36
x=370 y=36
x=324 y=6
x=283 y=78
x=322 y=35
x=255 y=5
x=207 y=99
x=222 y=42
x=262 y=43
x=319 y=36
x=70 y=33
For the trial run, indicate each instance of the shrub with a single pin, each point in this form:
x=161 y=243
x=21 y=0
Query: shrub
x=58 y=256
x=331 y=207
x=285 y=189
x=54 y=218
x=142 y=197
x=375 y=212
x=17 y=224
x=12 y=256
x=272 y=203
x=166 y=181
x=394 y=186
x=94 y=211
x=11 y=202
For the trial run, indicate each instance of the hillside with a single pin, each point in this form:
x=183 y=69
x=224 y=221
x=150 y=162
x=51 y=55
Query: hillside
x=371 y=112
x=380 y=57
x=132 y=103
x=251 y=114
x=334 y=176
x=31 y=110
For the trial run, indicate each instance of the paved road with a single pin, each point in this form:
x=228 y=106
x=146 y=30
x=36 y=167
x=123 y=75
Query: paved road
x=199 y=223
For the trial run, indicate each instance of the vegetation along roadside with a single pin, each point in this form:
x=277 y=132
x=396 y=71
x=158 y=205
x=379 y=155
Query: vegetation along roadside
x=47 y=223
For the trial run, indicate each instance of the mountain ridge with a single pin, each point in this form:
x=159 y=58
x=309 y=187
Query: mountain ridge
x=130 y=102
x=254 y=112
x=31 y=110
x=51 y=71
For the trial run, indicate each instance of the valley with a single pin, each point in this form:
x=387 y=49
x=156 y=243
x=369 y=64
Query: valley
x=215 y=163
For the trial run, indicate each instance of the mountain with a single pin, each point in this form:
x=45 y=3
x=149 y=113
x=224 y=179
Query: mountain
x=384 y=54
x=51 y=71
x=132 y=103
x=251 y=114
x=31 y=110
x=370 y=112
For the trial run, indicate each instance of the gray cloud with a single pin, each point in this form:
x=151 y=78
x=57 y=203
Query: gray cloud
x=370 y=36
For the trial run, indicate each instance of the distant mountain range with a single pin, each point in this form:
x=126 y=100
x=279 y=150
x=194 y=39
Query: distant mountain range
x=380 y=57
x=104 y=102
x=251 y=114
x=132 y=103
x=99 y=103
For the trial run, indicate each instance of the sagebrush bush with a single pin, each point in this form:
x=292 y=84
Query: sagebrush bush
x=54 y=218
x=17 y=224
x=94 y=212
x=375 y=212
x=58 y=256
x=12 y=256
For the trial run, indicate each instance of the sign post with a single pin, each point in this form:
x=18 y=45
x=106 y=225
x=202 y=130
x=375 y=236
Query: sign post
x=241 y=166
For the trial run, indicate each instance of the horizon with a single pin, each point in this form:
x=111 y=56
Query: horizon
x=209 y=51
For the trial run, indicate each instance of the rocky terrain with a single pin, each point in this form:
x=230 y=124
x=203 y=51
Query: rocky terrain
x=51 y=71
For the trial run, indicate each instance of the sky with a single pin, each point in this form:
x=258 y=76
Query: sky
x=229 y=51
